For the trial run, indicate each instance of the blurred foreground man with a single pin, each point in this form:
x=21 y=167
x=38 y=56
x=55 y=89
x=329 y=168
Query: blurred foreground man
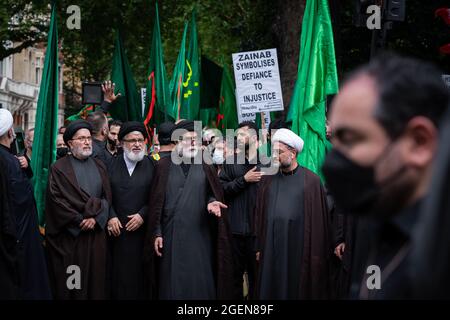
x=77 y=209
x=385 y=122
x=292 y=228
x=188 y=227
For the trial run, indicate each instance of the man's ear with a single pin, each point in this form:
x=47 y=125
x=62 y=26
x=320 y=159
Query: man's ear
x=11 y=133
x=421 y=144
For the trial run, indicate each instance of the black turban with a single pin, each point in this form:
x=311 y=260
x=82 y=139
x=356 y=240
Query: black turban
x=165 y=133
x=73 y=127
x=185 y=124
x=131 y=126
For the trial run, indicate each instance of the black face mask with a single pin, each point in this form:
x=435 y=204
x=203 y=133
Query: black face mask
x=353 y=186
x=61 y=152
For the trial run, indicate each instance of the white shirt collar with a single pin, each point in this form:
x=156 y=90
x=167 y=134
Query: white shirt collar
x=130 y=165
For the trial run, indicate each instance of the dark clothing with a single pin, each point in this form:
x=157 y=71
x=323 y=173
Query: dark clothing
x=344 y=231
x=9 y=277
x=105 y=106
x=197 y=259
x=165 y=154
x=32 y=269
x=74 y=194
x=293 y=237
x=100 y=152
x=240 y=197
x=390 y=245
x=284 y=236
x=244 y=260
x=161 y=155
x=130 y=196
x=430 y=261
x=187 y=264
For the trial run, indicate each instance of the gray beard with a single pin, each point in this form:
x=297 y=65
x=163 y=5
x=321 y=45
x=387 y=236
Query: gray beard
x=131 y=156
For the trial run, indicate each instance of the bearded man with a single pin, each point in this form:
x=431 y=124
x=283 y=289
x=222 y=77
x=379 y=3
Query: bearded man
x=131 y=176
x=77 y=209
x=188 y=226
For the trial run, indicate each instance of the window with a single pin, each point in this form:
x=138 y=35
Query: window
x=38 y=75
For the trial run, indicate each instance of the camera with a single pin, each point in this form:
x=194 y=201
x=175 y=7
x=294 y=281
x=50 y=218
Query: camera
x=92 y=93
x=18 y=145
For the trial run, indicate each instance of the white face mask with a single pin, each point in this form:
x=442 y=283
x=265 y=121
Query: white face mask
x=218 y=157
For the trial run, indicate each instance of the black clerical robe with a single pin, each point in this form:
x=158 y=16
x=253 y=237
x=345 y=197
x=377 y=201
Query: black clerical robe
x=130 y=196
x=197 y=259
x=31 y=266
x=344 y=231
x=387 y=244
x=9 y=278
x=100 y=152
x=292 y=231
x=77 y=190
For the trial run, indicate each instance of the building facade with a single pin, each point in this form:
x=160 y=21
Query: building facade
x=20 y=77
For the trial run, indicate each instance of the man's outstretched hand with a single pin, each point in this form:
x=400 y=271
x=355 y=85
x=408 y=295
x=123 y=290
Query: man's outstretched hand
x=108 y=90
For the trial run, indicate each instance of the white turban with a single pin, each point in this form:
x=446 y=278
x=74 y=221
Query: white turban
x=6 y=121
x=289 y=138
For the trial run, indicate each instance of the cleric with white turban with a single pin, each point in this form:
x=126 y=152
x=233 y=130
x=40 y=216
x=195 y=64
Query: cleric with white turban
x=6 y=121
x=291 y=213
x=20 y=232
x=289 y=138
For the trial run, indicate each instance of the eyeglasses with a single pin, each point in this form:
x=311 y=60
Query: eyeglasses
x=188 y=139
x=83 y=139
x=133 y=141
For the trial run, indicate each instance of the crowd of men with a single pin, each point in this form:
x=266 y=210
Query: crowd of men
x=124 y=222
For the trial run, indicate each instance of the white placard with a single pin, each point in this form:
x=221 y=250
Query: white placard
x=143 y=94
x=258 y=87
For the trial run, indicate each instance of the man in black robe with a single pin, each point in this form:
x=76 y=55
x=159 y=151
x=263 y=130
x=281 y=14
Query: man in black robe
x=239 y=178
x=9 y=281
x=77 y=209
x=21 y=222
x=188 y=227
x=164 y=138
x=385 y=138
x=292 y=225
x=344 y=234
x=131 y=175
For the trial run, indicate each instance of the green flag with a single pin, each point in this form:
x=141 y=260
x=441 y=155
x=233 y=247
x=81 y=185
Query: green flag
x=191 y=86
x=82 y=114
x=211 y=76
x=176 y=83
x=227 y=118
x=317 y=78
x=127 y=107
x=157 y=100
x=44 y=144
